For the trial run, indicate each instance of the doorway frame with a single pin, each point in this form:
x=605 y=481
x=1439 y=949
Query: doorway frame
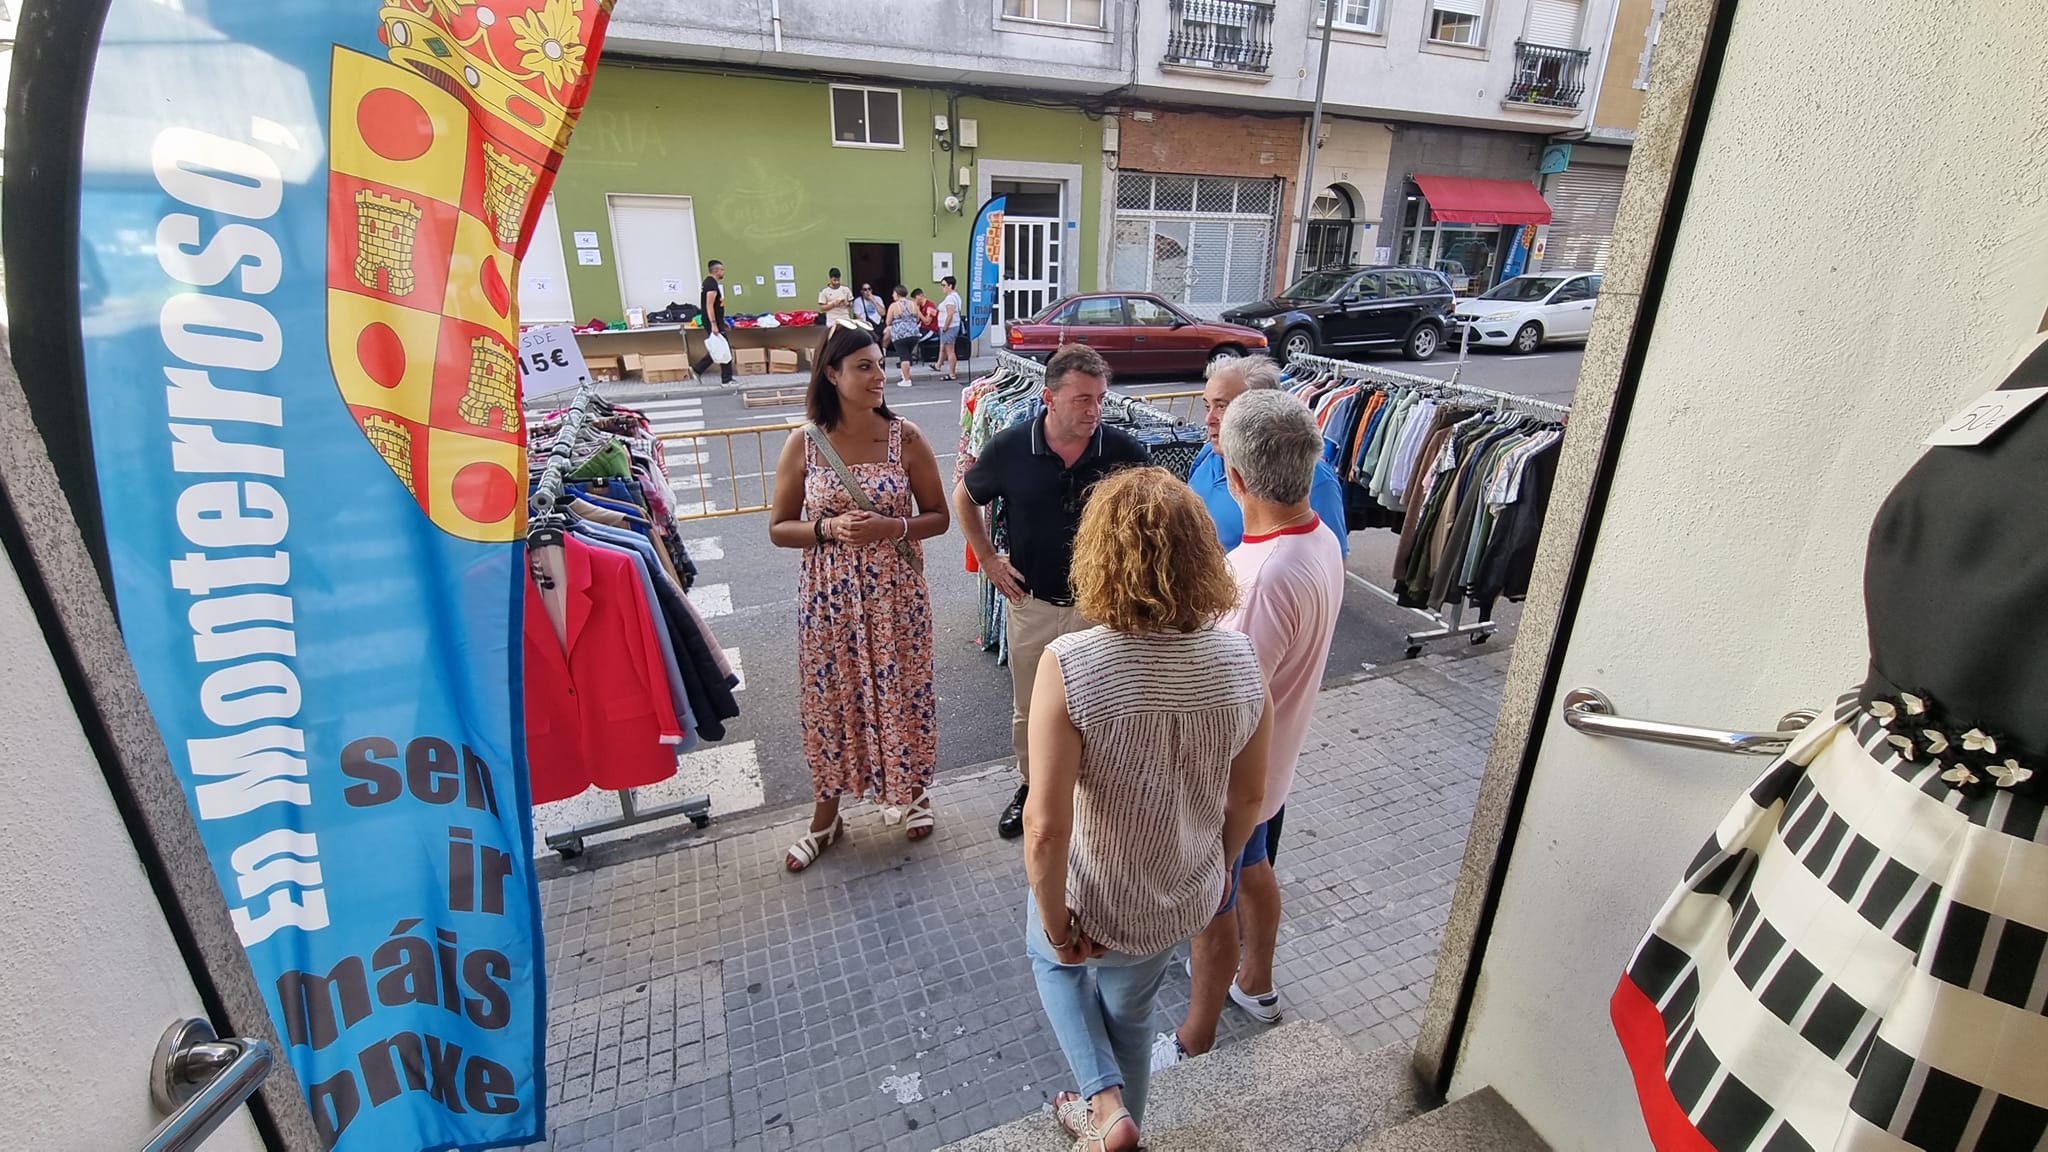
x=1072 y=209
x=1668 y=138
x=611 y=202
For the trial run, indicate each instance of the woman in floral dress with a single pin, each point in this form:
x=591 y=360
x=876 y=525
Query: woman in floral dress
x=864 y=631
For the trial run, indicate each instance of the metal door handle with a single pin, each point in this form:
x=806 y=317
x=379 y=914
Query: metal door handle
x=200 y=1081
x=1588 y=710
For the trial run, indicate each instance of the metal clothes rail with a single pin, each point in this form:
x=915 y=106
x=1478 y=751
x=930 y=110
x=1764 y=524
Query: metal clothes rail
x=547 y=496
x=1452 y=624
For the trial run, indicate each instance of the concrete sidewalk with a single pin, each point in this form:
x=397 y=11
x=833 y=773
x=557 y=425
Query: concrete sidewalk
x=701 y=997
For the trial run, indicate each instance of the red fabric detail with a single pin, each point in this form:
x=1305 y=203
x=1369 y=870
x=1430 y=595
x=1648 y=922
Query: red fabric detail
x=1314 y=522
x=596 y=716
x=1641 y=1029
x=1471 y=200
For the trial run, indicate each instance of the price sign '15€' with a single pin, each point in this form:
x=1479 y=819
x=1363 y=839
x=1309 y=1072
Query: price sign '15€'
x=549 y=360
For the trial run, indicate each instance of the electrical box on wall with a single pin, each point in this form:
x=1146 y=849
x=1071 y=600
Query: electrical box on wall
x=966 y=177
x=970 y=133
x=942 y=265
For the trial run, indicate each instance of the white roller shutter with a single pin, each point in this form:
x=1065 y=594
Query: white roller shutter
x=1554 y=22
x=1582 y=206
x=1461 y=7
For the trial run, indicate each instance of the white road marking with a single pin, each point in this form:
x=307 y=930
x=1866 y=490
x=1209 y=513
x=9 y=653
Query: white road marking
x=684 y=404
x=707 y=548
x=713 y=600
x=679 y=426
x=679 y=458
x=696 y=507
x=732 y=657
x=729 y=773
x=925 y=403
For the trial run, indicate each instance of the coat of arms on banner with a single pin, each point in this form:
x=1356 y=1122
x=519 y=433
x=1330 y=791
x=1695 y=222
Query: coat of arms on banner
x=441 y=156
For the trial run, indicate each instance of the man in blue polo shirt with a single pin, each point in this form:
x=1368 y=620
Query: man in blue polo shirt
x=1227 y=380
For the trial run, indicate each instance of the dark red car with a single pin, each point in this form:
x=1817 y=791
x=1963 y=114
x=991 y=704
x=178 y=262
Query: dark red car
x=1135 y=331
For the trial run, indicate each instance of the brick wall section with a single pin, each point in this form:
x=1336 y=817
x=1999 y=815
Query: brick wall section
x=1186 y=142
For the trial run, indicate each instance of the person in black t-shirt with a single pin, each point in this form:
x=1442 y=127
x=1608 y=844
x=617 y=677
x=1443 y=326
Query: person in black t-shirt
x=713 y=304
x=1043 y=470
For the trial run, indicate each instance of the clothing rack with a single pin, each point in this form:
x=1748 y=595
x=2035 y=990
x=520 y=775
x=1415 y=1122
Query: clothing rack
x=547 y=496
x=1453 y=624
x=1023 y=366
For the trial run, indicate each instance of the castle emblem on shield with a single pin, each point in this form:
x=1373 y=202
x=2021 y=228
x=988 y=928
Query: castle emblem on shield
x=441 y=153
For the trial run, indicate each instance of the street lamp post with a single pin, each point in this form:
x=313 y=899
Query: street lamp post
x=1315 y=131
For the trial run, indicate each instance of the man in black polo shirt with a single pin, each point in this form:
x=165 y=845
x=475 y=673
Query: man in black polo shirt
x=1043 y=471
x=714 y=318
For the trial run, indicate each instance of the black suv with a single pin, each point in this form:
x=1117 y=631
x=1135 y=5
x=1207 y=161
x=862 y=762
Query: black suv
x=1336 y=310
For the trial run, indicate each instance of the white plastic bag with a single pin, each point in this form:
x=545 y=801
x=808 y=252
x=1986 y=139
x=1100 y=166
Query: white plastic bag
x=721 y=351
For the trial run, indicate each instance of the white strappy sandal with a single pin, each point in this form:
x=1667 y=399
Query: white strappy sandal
x=811 y=845
x=917 y=822
x=1075 y=1118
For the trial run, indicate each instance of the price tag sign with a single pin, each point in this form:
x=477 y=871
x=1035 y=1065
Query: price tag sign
x=549 y=359
x=1984 y=416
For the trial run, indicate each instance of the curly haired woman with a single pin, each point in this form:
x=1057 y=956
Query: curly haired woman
x=1148 y=766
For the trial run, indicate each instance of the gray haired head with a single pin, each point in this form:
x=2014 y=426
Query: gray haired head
x=1255 y=372
x=1272 y=441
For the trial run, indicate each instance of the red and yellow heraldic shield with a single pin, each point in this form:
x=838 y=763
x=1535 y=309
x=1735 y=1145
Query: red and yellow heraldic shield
x=441 y=157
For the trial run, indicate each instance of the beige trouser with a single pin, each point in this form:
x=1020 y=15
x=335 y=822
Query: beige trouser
x=1030 y=626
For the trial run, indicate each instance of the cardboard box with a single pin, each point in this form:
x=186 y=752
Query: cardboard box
x=604 y=368
x=750 y=361
x=784 y=360
x=665 y=368
x=633 y=365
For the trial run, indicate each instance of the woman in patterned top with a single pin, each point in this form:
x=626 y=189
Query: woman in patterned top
x=1148 y=765
x=864 y=627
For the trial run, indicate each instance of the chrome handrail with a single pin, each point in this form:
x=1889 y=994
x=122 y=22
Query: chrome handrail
x=200 y=1081
x=1588 y=710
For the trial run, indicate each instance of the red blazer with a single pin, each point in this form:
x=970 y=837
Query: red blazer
x=597 y=714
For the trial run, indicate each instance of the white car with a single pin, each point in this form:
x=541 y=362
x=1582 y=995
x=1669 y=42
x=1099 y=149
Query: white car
x=1524 y=312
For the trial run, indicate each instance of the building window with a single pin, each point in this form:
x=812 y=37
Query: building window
x=1457 y=22
x=1357 y=15
x=1075 y=13
x=867 y=117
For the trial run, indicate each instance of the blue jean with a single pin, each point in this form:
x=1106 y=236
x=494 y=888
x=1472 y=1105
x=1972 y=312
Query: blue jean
x=1101 y=1013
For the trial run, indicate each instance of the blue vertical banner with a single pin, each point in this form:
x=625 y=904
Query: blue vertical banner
x=1518 y=251
x=985 y=270
x=300 y=234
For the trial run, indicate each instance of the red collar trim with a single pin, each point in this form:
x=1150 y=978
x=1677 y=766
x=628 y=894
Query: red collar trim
x=1314 y=522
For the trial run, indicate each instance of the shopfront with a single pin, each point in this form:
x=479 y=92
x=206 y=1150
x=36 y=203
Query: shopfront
x=1477 y=232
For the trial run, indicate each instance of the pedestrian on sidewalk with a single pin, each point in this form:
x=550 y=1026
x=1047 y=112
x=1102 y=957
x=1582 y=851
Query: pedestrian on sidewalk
x=835 y=300
x=856 y=490
x=715 y=323
x=949 y=331
x=869 y=310
x=1045 y=471
x=1225 y=381
x=1290 y=589
x=1149 y=736
x=905 y=327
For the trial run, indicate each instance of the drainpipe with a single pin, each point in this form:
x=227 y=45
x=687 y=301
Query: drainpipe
x=775 y=21
x=1315 y=131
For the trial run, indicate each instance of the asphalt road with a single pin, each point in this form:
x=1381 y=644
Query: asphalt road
x=748 y=587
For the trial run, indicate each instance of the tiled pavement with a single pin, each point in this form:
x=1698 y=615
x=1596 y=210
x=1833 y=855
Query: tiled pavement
x=701 y=997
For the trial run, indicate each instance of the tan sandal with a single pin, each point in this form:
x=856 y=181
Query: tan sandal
x=812 y=845
x=1072 y=1111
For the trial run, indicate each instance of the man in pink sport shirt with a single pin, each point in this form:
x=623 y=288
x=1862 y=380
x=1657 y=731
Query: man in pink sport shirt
x=1290 y=579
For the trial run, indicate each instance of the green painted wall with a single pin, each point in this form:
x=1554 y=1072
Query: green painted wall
x=768 y=187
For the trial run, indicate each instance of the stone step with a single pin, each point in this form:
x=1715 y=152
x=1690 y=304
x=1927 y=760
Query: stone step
x=1298 y=1087
x=1481 y=1122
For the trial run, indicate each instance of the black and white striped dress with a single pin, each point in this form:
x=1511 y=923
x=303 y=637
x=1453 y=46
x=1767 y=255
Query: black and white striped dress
x=1857 y=960
x=1161 y=716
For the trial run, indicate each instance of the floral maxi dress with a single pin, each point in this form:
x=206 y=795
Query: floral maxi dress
x=864 y=643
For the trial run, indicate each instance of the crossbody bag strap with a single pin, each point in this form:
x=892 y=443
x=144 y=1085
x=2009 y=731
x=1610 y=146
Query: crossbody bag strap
x=852 y=486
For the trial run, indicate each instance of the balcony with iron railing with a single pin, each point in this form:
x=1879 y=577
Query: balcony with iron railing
x=1224 y=35
x=1548 y=77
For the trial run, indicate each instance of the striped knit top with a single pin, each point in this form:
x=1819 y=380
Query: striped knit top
x=1161 y=716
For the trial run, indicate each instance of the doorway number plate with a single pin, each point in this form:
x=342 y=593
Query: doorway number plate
x=1985 y=415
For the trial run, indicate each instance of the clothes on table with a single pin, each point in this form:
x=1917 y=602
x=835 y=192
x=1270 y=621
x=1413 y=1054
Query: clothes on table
x=866 y=700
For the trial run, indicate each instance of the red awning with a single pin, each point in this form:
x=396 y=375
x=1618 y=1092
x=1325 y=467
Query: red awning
x=1469 y=200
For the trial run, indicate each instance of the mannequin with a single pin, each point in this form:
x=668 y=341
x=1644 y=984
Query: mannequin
x=1858 y=958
